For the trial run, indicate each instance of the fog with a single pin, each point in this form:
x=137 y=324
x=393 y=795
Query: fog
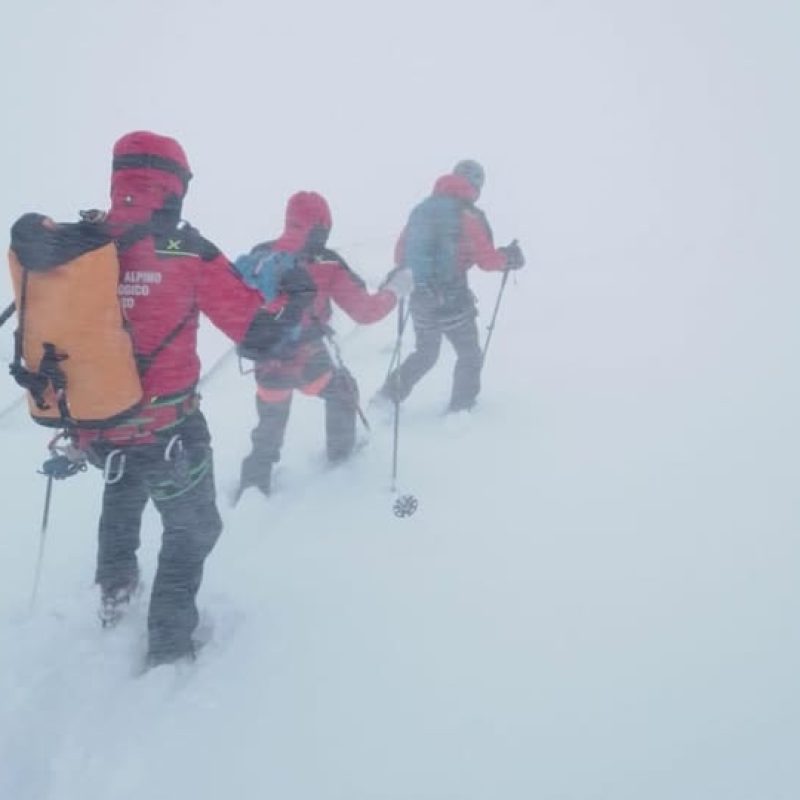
x=636 y=460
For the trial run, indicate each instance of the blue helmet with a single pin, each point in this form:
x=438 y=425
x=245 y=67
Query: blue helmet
x=472 y=172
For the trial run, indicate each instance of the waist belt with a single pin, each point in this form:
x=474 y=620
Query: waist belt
x=158 y=416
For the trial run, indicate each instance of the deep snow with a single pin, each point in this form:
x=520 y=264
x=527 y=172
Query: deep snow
x=595 y=598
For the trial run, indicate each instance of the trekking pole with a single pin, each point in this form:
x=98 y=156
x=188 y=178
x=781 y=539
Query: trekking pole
x=402 y=319
x=64 y=462
x=6 y=315
x=490 y=329
x=332 y=346
x=401 y=324
x=405 y=504
x=42 y=538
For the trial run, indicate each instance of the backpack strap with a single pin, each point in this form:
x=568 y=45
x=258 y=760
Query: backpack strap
x=145 y=360
x=28 y=380
x=49 y=373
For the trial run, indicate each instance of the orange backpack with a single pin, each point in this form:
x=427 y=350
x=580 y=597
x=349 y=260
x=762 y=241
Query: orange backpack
x=71 y=350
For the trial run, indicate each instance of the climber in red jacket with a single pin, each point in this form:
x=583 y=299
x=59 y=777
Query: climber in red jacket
x=305 y=360
x=169 y=275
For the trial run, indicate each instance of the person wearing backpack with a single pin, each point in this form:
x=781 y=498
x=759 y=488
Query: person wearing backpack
x=307 y=359
x=169 y=275
x=446 y=234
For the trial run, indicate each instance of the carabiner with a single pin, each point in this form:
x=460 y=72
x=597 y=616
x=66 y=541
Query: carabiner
x=172 y=444
x=110 y=474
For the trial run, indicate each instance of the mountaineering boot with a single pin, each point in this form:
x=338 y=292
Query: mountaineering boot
x=256 y=472
x=267 y=439
x=159 y=658
x=114 y=602
x=458 y=407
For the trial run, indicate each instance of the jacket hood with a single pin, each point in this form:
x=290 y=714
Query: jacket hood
x=149 y=172
x=308 y=222
x=456 y=186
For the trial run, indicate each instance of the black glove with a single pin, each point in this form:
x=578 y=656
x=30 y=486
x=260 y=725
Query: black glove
x=513 y=254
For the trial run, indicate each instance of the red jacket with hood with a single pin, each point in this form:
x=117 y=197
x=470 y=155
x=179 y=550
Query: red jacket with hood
x=169 y=275
x=308 y=222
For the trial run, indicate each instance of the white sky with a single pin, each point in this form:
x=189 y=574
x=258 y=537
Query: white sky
x=601 y=125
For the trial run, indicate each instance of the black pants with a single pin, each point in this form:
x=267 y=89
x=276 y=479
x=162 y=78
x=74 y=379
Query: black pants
x=434 y=315
x=182 y=489
x=341 y=401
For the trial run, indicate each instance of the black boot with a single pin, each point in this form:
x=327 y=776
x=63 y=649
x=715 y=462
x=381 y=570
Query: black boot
x=256 y=472
x=157 y=658
x=115 y=600
x=267 y=439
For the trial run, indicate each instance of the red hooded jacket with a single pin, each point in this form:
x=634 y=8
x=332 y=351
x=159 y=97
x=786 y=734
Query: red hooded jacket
x=308 y=222
x=168 y=277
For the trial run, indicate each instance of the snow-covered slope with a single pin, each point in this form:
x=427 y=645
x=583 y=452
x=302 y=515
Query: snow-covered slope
x=596 y=597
